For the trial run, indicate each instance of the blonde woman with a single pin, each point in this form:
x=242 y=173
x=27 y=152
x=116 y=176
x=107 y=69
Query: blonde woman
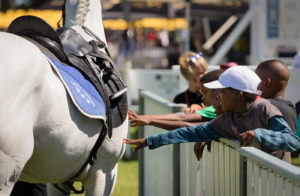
x=192 y=67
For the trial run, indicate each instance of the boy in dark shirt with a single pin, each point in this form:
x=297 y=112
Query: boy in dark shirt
x=245 y=118
x=274 y=76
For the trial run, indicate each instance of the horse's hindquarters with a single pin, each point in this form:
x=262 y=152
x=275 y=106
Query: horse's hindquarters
x=39 y=123
x=21 y=86
x=63 y=136
x=37 y=119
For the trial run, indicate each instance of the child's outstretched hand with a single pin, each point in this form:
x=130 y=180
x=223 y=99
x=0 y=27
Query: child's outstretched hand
x=247 y=138
x=137 y=120
x=140 y=143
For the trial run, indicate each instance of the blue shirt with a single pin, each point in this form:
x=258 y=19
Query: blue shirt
x=279 y=137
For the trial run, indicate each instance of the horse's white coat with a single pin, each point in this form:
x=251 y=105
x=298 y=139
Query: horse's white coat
x=40 y=126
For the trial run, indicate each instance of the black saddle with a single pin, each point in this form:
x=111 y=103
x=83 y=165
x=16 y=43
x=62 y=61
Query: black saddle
x=40 y=31
x=70 y=48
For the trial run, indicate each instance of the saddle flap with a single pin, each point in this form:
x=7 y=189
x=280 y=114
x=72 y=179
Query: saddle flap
x=73 y=43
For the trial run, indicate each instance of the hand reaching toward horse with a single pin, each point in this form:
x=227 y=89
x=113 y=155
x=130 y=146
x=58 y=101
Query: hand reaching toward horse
x=140 y=143
x=247 y=138
x=137 y=120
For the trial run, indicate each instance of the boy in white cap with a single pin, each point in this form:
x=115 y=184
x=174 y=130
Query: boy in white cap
x=245 y=118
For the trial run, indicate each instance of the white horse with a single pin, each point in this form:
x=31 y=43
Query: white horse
x=43 y=137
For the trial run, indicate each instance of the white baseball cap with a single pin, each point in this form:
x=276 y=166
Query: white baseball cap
x=238 y=77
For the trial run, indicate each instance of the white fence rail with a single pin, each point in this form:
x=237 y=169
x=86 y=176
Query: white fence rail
x=226 y=170
x=266 y=175
x=158 y=172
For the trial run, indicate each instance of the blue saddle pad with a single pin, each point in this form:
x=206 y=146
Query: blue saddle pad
x=82 y=92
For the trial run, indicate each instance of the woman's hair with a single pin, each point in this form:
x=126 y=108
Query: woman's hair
x=190 y=62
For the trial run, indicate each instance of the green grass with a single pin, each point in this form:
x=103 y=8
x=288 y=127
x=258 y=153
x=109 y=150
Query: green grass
x=295 y=161
x=127 y=181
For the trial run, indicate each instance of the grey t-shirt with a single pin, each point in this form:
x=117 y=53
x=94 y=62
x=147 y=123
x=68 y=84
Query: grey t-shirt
x=230 y=124
x=287 y=108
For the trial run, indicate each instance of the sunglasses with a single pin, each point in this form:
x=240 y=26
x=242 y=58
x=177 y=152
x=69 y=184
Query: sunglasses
x=195 y=57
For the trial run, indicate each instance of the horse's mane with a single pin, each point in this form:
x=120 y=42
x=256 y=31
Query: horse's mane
x=82 y=10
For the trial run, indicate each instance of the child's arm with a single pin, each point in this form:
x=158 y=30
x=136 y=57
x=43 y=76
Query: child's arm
x=279 y=137
x=171 y=125
x=140 y=143
x=167 y=124
x=146 y=119
x=199 y=133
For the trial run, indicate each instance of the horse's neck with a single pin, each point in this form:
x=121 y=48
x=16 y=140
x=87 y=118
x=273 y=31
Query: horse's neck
x=86 y=13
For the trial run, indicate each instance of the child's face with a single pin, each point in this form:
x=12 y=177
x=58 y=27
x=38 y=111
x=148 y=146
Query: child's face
x=207 y=95
x=217 y=102
x=197 y=76
x=228 y=99
x=199 y=73
x=264 y=85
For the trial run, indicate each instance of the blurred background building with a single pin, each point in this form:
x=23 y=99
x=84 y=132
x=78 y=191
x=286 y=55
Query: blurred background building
x=152 y=33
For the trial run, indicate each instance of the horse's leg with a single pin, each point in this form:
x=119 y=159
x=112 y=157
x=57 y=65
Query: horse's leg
x=103 y=174
x=16 y=147
x=101 y=183
x=12 y=163
x=21 y=85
